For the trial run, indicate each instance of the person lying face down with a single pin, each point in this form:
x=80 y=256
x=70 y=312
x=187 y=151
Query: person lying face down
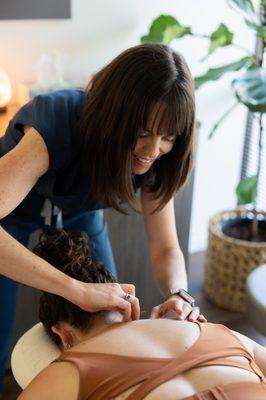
x=106 y=358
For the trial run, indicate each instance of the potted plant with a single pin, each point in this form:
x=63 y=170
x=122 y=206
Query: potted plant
x=237 y=238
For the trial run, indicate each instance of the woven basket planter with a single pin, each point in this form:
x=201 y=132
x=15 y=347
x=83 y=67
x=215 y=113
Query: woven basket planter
x=228 y=263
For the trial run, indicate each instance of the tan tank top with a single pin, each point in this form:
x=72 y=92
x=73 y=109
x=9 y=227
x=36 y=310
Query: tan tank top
x=105 y=376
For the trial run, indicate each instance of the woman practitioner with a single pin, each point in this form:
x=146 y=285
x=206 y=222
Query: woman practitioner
x=153 y=359
x=70 y=153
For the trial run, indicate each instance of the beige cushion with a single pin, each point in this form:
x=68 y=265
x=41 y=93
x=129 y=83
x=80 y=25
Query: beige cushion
x=33 y=352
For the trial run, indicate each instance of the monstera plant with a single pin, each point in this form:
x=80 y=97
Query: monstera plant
x=249 y=84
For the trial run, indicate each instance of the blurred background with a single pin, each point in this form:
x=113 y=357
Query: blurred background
x=98 y=31
x=46 y=46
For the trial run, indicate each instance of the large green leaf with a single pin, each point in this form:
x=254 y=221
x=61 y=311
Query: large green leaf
x=250 y=89
x=164 y=29
x=220 y=38
x=215 y=73
x=247 y=190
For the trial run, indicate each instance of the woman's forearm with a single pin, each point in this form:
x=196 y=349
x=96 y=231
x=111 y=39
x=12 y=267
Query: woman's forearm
x=169 y=270
x=21 y=265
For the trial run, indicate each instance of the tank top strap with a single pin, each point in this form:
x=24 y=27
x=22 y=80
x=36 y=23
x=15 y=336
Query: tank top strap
x=105 y=376
x=166 y=372
x=202 y=352
x=245 y=353
x=82 y=366
x=229 y=345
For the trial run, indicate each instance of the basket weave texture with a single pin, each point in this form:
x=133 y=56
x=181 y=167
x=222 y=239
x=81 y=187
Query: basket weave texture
x=228 y=263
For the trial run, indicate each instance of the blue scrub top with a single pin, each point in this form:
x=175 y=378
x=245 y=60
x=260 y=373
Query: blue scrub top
x=56 y=116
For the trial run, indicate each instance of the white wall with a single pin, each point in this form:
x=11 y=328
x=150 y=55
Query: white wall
x=101 y=29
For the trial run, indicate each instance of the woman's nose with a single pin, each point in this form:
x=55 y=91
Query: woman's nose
x=152 y=147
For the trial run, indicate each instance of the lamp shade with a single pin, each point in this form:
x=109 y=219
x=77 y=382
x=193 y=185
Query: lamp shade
x=5 y=89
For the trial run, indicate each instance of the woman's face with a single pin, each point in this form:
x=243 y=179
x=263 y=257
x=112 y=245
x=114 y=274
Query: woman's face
x=150 y=146
x=153 y=142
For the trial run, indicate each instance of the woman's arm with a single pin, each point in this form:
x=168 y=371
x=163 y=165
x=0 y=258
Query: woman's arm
x=20 y=169
x=58 y=381
x=166 y=256
x=167 y=259
x=20 y=264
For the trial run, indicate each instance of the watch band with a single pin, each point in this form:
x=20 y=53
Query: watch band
x=183 y=294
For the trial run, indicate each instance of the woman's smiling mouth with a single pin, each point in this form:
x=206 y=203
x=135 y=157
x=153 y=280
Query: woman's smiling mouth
x=144 y=161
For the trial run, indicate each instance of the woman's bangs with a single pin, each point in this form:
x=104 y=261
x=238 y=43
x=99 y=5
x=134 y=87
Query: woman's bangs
x=168 y=116
x=168 y=121
x=141 y=111
x=179 y=112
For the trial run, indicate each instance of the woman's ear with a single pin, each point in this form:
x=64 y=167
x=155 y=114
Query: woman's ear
x=64 y=331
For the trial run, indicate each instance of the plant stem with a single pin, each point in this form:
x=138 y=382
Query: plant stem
x=221 y=119
x=243 y=48
x=260 y=148
x=200 y=35
x=255 y=226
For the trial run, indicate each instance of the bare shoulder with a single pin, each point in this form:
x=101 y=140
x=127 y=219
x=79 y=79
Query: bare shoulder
x=58 y=381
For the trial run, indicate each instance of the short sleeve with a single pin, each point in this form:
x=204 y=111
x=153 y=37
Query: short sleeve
x=53 y=115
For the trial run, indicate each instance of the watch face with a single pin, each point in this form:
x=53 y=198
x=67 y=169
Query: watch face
x=186 y=296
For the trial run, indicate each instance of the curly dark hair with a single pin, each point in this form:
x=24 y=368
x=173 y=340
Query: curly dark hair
x=68 y=252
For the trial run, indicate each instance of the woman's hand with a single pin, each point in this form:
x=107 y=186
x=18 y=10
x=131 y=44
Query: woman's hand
x=177 y=308
x=94 y=297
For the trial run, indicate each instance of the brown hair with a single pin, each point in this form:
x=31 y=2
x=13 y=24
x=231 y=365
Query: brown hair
x=120 y=101
x=68 y=252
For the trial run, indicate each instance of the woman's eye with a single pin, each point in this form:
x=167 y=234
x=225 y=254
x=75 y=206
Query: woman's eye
x=170 y=139
x=143 y=134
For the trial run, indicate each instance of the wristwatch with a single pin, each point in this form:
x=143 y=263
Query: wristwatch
x=183 y=294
